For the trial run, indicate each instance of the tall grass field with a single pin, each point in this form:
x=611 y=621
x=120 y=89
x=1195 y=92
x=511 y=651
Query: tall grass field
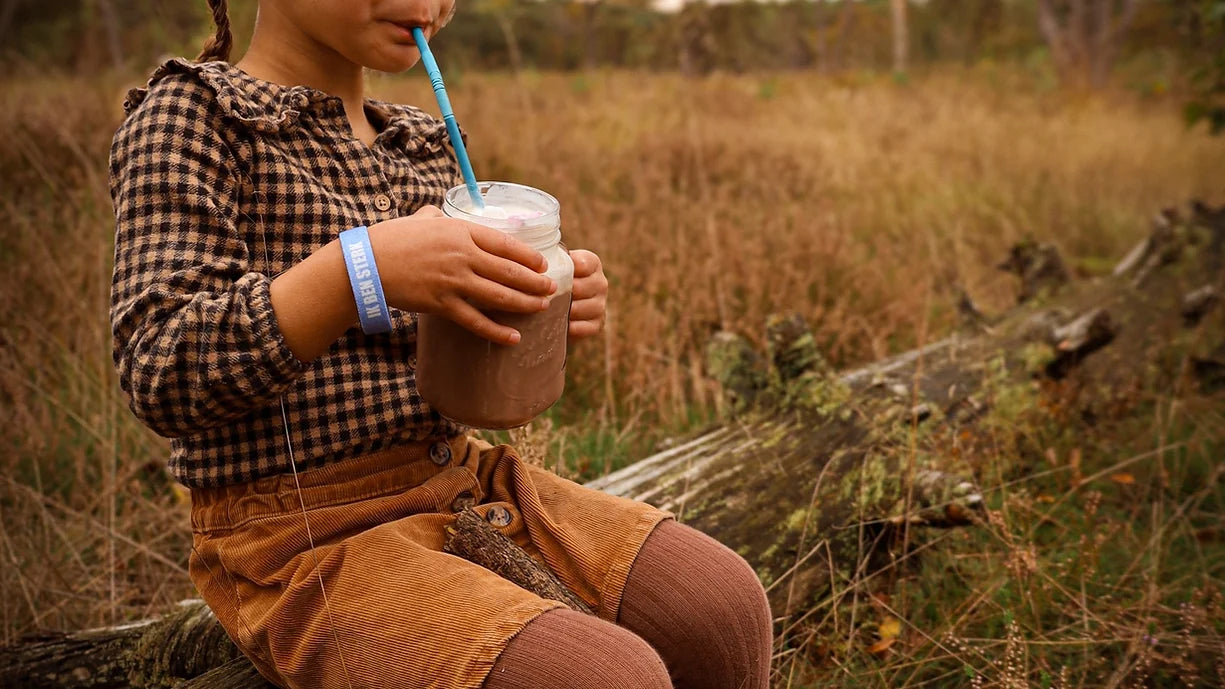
x=861 y=202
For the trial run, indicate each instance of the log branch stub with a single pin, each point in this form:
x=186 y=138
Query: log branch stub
x=792 y=348
x=1162 y=247
x=471 y=538
x=1213 y=219
x=970 y=316
x=791 y=368
x=1147 y=253
x=737 y=367
x=1041 y=325
x=1197 y=303
x=1209 y=371
x=1071 y=338
x=942 y=500
x=1076 y=340
x=1040 y=267
x=1089 y=330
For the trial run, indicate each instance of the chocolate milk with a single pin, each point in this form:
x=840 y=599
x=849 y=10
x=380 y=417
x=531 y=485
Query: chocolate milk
x=489 y=385
x=478 y=383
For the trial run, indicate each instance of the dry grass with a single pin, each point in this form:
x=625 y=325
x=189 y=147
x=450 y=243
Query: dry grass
x=858 y=202
x=88 y=531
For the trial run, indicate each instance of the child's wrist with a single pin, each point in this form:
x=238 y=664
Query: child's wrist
x=372 y=309
x=313 y=302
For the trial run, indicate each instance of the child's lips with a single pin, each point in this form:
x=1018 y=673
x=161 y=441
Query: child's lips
x=406 y=26
x=404 y=29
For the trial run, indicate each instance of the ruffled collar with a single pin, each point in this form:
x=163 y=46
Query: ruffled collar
x=267 y=107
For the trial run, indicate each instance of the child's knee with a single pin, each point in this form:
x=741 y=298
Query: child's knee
x=703 y=607
x=684 y=563
x=564 y=649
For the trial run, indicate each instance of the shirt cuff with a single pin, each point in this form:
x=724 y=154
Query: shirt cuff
x=279 y=363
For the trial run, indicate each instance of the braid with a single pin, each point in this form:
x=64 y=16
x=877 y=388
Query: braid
x=217 y=47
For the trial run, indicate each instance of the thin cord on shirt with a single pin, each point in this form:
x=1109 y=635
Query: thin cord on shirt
x=293 y=466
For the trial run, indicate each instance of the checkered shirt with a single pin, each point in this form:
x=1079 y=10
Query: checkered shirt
x=220 y=181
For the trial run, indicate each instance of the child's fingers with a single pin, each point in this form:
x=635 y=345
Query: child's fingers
x=585 y=262
x=580 y=329
x=501 y=244
x=494 y=295
x=590 y=286
x=513 y=275
x=470 y=318
x=587 y=309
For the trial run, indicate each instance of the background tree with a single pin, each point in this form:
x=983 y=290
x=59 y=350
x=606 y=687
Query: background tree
x=1084 y=36
x=901 y=36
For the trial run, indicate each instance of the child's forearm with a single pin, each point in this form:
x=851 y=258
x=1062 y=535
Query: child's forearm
x=313 y=302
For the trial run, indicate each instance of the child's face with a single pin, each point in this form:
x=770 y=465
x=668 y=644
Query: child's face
x=372 y=33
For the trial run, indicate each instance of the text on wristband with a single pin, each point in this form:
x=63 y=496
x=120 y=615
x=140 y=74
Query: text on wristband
x=365 y=282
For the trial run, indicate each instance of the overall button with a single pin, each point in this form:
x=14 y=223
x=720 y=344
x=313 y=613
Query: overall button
x=498 y=515
x=382 y=202
x=440 y=453
x=463 y=501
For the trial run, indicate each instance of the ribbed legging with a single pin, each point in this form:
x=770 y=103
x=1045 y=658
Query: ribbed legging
x=693 y=616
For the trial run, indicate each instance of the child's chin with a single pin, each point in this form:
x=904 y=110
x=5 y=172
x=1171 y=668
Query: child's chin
x=394 y=63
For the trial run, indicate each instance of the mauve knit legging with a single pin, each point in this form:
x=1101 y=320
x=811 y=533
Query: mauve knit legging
x=693 y=616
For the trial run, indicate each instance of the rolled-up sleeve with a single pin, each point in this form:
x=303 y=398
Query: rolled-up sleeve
x=196 y=343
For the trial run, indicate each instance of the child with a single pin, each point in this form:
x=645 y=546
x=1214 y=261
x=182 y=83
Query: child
x=321 y=483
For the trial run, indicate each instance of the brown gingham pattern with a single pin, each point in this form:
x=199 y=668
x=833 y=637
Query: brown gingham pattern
x=220 y=181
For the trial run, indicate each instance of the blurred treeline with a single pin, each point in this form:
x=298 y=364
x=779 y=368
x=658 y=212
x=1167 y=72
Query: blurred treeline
x=828 y=35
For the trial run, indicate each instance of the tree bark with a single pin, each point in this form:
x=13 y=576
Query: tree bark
x=110 y=22
x=901 y=37
x=507 y=27
x=816 y=480
x=1084 y=36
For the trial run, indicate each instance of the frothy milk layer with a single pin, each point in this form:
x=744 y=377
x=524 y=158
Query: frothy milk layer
x=506 y=212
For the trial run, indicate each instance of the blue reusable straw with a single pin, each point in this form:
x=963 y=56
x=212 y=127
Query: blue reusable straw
x=448 y=116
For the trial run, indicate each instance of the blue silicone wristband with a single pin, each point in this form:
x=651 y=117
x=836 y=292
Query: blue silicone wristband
x=364 y=279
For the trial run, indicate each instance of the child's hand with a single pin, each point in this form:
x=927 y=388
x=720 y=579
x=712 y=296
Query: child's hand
x=430 y=263
x=590 y=295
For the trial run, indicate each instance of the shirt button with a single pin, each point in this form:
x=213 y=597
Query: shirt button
x=440 y=453
x=498 y=516
x=382 y=202
x=462 y=502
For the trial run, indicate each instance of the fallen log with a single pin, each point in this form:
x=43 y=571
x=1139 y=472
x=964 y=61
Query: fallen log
x=187 y=642
x=818 y=478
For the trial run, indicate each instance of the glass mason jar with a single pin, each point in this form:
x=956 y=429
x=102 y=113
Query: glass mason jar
x=479 y=383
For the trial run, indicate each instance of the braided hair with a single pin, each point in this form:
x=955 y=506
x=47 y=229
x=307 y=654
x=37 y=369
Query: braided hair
x=217 y=47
